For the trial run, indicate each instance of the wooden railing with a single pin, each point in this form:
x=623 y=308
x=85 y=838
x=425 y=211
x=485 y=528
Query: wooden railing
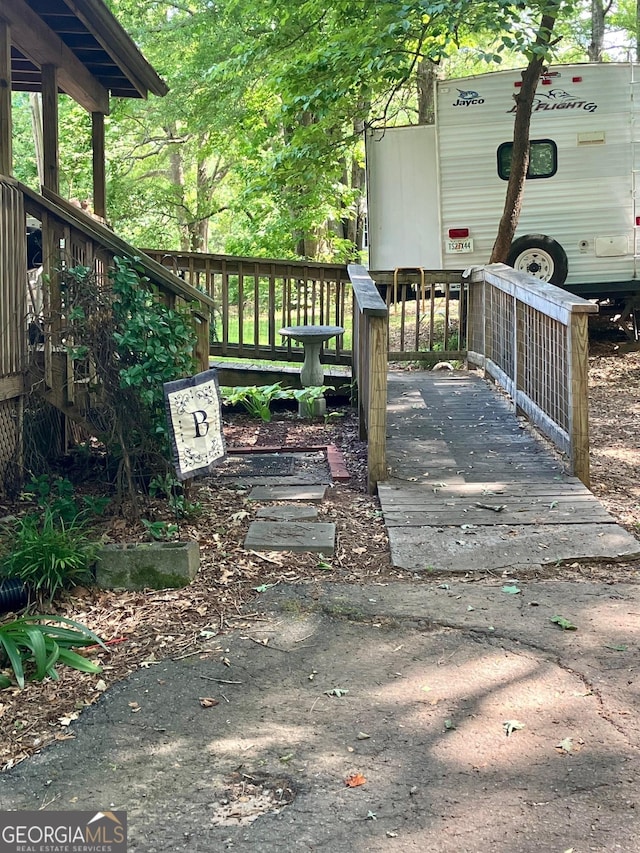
x=532 y=338
x=255 y=297
x=70 y=238
x=427 y=313
x=370 y=370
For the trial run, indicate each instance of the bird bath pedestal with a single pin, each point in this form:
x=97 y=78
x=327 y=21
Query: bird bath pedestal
x=312 y=374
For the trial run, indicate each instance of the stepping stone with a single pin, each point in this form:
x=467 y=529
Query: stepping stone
x=312 y=494
x=298 y=536
x=288 y=513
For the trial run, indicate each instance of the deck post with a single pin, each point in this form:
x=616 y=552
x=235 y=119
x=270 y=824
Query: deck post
x=99 y=178
x=6 y=157
x=579 y=400
x=50 y=127
x=377 y=427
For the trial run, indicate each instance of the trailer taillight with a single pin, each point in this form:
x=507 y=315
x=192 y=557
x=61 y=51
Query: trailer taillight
x=458 y=233
x=638 y=221
x=576 y=79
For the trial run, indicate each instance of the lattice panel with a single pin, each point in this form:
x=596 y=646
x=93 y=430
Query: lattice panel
x=44 y=435
x=10 y=447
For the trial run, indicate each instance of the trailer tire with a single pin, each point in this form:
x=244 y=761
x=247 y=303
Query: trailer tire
x=540 y=256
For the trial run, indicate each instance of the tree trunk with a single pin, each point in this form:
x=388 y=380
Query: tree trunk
x=520 y=152
x=426 y=75
x=596 y=47
x=176 y=176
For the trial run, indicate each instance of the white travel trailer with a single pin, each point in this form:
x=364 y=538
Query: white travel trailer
x=436 y=192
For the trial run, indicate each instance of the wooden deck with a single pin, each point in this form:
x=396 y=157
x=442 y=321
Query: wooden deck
x=472 y=488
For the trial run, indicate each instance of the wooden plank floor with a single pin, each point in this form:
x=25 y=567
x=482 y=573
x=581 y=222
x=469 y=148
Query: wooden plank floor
x=472 y=488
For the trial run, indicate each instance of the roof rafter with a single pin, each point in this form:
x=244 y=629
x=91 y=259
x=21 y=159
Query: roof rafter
x=43 y=47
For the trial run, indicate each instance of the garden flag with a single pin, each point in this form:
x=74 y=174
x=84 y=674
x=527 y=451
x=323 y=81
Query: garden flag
x=195 y=423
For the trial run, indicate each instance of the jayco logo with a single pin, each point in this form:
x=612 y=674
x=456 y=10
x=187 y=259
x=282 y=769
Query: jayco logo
x=558 y=99
x=466 y=97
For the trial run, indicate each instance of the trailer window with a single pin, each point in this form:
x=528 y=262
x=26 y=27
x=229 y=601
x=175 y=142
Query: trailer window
x=543 y=159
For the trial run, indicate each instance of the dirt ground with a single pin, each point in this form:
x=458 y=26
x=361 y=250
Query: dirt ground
x=476 y=722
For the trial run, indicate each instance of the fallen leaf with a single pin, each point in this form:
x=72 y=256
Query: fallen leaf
x=134 y=707
x=226 y=661
x=619 y=648
x=337 y=691
x=363 y=736
x=565 y=624
x=449 y=725
x=391 y=834
x=511 y=590
x=101 y=686
x=286 y=758
x=208 y=702
x=68 y=718
x=510 y=726
x=565 y=745
x=239 y=516
x=371 y=816
x=355 y=780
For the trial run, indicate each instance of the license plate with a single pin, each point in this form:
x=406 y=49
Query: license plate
x=458 y=247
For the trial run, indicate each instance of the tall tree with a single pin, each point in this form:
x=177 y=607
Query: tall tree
x=538 y=55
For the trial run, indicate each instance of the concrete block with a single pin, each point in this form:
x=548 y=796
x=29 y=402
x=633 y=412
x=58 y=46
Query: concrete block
x=288 y=513
x=311 y=493
x=153 y=565
x=315 y=537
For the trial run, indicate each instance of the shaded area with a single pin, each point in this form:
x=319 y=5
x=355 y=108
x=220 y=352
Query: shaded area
x=410 y=686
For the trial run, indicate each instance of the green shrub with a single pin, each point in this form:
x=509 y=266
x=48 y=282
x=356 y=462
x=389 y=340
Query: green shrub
x=32 y=649
x=48 y=553
x=307 y=397
x=256 y=399
x=58 y=495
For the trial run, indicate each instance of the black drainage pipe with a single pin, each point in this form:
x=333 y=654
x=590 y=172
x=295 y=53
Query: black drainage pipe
x=14 y=594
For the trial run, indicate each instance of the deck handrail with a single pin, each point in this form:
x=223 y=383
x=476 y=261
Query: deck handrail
x=256 y=297
x=532 y=338
x=370 y=336
x=71 y=237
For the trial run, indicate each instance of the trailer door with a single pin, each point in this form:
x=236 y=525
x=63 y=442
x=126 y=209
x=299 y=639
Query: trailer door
x=402 y=194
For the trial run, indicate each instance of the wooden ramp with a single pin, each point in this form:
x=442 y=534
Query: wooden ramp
x=471 y=488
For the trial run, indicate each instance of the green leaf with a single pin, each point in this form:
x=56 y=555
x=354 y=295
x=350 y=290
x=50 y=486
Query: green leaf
x=565 y=624
x=15 y=658
x=78 y=661
x=511 y=590
x=263 y=587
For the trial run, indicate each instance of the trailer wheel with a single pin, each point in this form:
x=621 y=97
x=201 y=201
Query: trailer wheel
x=539 y=256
